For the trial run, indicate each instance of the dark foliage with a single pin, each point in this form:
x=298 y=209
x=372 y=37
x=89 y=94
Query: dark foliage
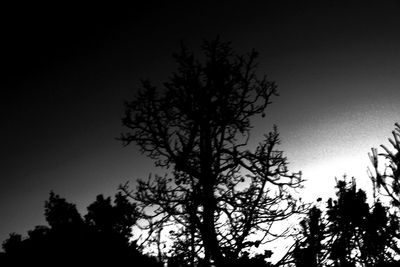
x=386 y=168
x=350 y=233
x=309 y=251
x=219 y=199
x=102 y=238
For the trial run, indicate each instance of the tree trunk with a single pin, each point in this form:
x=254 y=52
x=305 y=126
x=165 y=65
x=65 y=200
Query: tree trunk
x=209 y=234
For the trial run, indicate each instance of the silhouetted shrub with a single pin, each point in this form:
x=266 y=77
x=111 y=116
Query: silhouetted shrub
x=102 y=238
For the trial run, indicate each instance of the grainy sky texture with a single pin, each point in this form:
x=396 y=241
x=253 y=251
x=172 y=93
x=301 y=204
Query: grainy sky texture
x=68 y=70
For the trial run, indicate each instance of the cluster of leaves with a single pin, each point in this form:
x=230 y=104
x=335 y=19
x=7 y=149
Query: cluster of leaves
x=102 y=236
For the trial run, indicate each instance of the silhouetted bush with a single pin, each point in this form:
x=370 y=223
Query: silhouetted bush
x=102 y=238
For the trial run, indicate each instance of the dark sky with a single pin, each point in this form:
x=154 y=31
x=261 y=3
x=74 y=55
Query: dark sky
x=68 y=69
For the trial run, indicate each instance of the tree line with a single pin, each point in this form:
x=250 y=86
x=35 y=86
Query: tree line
x=100 y=237
x=219 y=202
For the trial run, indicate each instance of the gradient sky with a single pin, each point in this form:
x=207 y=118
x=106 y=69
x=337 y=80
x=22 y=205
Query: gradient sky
x=70 y=68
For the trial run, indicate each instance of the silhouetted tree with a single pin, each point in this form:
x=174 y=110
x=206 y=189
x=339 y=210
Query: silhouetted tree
x=199 y=126
x=386 y=168
x=310 y=250
x=379 y=245
x=388 y=180
x=361 y=234
x=351 y=233
x=60 y=214
x=111 y=220
x=67 y=233
x=13 y=244
x=103 y=238
x=346 y=217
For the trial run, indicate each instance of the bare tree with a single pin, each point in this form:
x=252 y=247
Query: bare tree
x=198 y=127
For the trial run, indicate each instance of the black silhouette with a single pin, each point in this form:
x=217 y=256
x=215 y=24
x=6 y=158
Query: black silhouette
x=218 y=200
x=388 y=180
x=218 y=193
x=310 y=250
x=112 y=221
x=102 y=238
x=351 y=233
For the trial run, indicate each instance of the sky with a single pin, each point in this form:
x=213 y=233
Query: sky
x=67 y=71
